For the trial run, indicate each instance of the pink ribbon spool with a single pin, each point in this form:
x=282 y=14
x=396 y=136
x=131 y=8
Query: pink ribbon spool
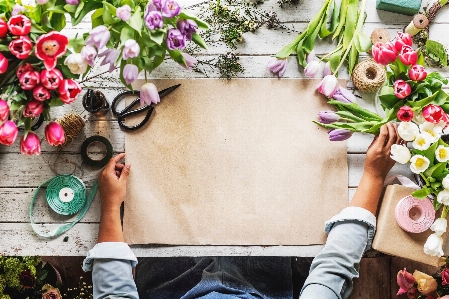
x=414 y=215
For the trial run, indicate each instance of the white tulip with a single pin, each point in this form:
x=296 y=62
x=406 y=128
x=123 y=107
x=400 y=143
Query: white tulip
x=408 y=131
x=418 y=119
x=443 y=197
x=422 y=141
x=442 y=153
x=434 y=245
x=76 y=63
x=434 y=130
x=419 y=163
x=445 y=182
x=439 y=226
x=400 y=153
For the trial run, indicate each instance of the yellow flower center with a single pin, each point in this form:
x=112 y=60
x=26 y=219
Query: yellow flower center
x=431 y=133
x=420 y=162
x=421 y=141
x=442 y=153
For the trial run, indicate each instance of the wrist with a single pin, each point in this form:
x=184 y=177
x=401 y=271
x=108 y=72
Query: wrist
x=110 y=210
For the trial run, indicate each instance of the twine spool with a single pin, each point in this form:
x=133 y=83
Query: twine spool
x=369 y=76
x=418 y=23
x=380 y=35
x=72 y=124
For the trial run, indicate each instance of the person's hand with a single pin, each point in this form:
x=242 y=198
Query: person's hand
x=378 y=161
x=112 y=183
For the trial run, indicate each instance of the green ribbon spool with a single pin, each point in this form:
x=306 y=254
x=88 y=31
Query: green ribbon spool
x=66 y=195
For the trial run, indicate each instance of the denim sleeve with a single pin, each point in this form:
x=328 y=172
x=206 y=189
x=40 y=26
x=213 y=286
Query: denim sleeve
x=111 y=264
x=350 y=234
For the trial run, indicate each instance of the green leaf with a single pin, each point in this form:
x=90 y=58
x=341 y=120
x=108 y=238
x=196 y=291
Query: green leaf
x=55 y=102
x=324 y=32
x=157 y=36
x=58 y=21
x=343 y=11
x=309 y=42
x=334 y=60
x=58 y=9
x=83 y=9
x=443 y=2
x=97 y=14
x=126 y=34
x=334 y=18
x=77 y=43
x=430 y=152
x=136 y=21
x=435 y=170
x=201 y=24
x=353 y=59
x=354 y=107
x=438 y=98
x=177 y=56
x=421 y=60
x=197 y=39
x=158 y=60
x=300 y=55
x=350 y=23
x=422 y=193
x=362 y=42
x=70 y=8
x=111 y=8
x=79 y=9
x=436 y=51
x=108 y=14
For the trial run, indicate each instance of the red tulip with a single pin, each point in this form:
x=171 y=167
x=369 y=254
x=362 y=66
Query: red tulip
x=19 y=25
x=8 y=133
x=417 y=73
x=408 y=56
x=402 y=39
x=3 y=28
x=24 y=68
x=51 y=46
x=31 y=145
x=402 y=89
x=40 y=93
x=434 y=114
x=4 y=111
x=33 y=108
x=3 y=64
x=405 y=113
x=51 y=79
x=384 y=53
x=28 y=80
x=54 y=134
x=21 y=47
x=69 y=90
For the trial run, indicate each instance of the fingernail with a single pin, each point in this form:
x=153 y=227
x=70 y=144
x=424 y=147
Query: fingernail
x=128 y=166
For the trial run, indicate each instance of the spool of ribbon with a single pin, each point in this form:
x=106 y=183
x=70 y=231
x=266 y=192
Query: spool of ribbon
x=96 y=163
x=414 y=215
x=72 y=124
x=94 y=101
x=418 y=23
x=66 y=195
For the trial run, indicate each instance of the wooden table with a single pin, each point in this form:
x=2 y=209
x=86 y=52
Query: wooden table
x=22 y=174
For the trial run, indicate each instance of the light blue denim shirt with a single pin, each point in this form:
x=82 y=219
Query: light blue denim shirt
x=350 y=234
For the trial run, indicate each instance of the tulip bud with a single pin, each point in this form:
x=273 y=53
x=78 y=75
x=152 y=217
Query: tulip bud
x=130 y=73
x=68 y=90
x=3 y=64
x=19 y=25
x=384 y=53
x=343 y=95
x=99 y=36
x=33 y=108
x=51 y=79
x=54 y=134
x=21 y=47
x=278 y=66
x=312 y=69
x=328 y=117
x=40 y=93
x=328 y=86
x=417 y=73
x=445 y=279
x=123 y=12
x=408 y=56
x=31 y=145
x=311 y=57
x=327 y=69
x=339 y=134
x=402 y=89
x=405 y=113
x=433 y=113
x=403 y=39
x=190 y=61
x=28 y=80
x=3 y=28
x=4 y=111
x=8 y=133
x=131 y=49
x=149 y=94
x=405 y=281
x=24 y=68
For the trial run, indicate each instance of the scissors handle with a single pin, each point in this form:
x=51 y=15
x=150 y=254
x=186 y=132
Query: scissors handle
x=121 y=118
x=121 y=96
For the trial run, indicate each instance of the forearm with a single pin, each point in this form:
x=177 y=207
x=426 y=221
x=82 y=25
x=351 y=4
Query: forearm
x=110 y=225
x=368 y=193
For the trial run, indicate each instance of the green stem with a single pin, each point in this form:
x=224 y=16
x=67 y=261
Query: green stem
x=344 y=57
x=329 y=54
x=424 y=178
x=445 y=210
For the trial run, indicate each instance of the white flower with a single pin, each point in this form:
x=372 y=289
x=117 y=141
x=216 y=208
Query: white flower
x=442 y=153
x=419 y=163
x=422 y=141
x=408 y=131
x=439 y=226
x=434 y=130
x=443 y=197
x=76 y=63
x=434 y=245
x=419 y=119
x=400 y=153
x=445 y=182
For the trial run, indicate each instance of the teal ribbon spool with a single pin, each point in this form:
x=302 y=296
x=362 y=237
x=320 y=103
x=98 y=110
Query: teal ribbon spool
x=66 y=195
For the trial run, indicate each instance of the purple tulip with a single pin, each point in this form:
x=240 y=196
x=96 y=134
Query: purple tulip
x=130 y=73
x=278 y=66
x=89 y=53
x=99 y=36
x=328 y=117
x=131 y=49
x=124 y=12
x=327 y=69
x=339 y=134
x=171 y=9
x=175 y=39
x=311 y=57
x=17 y=9
x=190 y=61
x=153 y=20
x=72 y=2
x=110 y=56
x=312 y=69
x=343 y=95
x=149 y=94
x=187 y=27
x=158 y=4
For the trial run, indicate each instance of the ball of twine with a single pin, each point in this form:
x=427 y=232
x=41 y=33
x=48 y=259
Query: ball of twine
x=369 y=76
x=72 y=124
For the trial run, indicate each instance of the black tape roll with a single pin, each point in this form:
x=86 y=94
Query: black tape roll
x=96 y=163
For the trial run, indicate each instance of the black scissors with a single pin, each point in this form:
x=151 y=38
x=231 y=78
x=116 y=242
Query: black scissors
x=121 y=115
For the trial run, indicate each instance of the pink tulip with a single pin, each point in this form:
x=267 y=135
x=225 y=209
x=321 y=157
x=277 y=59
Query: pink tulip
x=278 y=66
x=328 y=86
x=19 y=25
x=417 y=73
x=33 y=108
x=402 y=89
x=3 y=64
x=445 y=276
x=405 y=114
x=190 y=61
x=434 y=114
x=51 y=79
x=54 y=134
x=31 y=145
x=24 y=68
x=405 y=281
x=384 y=53
x=408 y=56
x=312 y=69
x=28 y=80
x=69 y=90
x=327 y=69
x=3 y=28
x=8 y=133
x=4 y=111
x=402 y=39
x=21 y=47
x=40 y=93
x=149 y=94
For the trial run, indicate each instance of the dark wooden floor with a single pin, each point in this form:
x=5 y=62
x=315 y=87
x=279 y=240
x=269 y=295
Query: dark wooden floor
x=377 y=274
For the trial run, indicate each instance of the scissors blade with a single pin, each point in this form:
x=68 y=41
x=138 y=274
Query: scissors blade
x=168 y=90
